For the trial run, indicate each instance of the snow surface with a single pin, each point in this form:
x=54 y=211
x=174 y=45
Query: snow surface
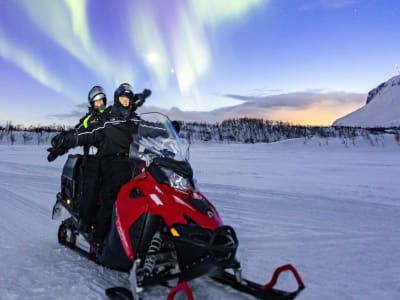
x=383 y=109
x=331 y=210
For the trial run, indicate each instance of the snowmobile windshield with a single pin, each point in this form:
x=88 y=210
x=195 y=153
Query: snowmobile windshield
x=157 y=138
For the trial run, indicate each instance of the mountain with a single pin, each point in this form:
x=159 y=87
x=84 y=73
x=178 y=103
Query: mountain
x=382 y=108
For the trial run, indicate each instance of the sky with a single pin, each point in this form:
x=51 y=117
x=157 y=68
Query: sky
x=196 y=56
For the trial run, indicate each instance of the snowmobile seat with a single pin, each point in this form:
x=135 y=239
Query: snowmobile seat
x=70 y=176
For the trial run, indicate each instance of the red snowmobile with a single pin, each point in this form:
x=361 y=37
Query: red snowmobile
x=164 y=231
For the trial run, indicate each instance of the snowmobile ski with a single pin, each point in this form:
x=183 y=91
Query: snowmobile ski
x=267 y=291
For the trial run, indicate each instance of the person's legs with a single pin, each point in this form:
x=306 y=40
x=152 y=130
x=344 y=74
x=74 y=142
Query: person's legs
x=116 y=173
x=90 y=192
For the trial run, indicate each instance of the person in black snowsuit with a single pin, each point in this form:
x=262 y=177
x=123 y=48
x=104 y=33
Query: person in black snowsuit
x=114 y=138
x=90 y=180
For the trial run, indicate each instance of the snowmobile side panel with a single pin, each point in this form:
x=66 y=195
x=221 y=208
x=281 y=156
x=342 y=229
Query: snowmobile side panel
x=113 y=253
x=70 y=175
x=128 y=211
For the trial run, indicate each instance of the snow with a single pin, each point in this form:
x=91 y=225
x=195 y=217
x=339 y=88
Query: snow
x=383 y=109
x=329 y=209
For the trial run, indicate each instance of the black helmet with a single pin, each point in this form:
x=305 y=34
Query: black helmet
x=97 y=93
x=124 y=89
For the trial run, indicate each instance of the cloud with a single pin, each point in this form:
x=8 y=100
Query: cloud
x=75 y=115
x=296 y=100
x=299 y=108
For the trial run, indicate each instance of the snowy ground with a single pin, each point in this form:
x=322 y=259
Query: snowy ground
x=331 y=211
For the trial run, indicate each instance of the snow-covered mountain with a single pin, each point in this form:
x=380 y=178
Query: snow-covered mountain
x=382 y=108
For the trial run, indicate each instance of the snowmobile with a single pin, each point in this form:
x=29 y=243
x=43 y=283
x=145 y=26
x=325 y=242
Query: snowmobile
x=164 y=230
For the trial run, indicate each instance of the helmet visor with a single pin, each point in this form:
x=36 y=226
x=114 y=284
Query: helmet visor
x=98 y=97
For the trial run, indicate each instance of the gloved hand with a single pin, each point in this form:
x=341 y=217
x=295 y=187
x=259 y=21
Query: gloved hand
x=61 y=143
x=141 y=98
x=55 y=152
x=58 y=140
x=65 y=139
x=146 y=93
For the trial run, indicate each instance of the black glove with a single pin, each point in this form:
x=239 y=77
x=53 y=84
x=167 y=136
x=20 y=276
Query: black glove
x=65 y=139
x=58 y=140
x=61 y=143
x=55 y=152
x=141 y=98
x=146 y=93
x=52 y=154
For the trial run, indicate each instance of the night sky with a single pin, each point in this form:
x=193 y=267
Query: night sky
x=195 y=55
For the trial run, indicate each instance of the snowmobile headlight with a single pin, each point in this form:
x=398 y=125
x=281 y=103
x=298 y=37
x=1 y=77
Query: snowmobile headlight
x=177 y=181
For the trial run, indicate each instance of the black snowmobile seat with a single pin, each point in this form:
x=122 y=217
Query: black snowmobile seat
x=70 y=176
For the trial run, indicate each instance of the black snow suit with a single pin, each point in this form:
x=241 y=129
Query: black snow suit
x=90 y=179
x=113 y=139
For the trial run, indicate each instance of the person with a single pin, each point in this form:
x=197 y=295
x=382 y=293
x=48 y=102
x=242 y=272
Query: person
x=97 y=100
x=114 y=138
x=90 y=181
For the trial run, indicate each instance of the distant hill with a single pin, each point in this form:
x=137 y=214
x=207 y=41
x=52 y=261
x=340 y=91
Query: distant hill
x=382 y=108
